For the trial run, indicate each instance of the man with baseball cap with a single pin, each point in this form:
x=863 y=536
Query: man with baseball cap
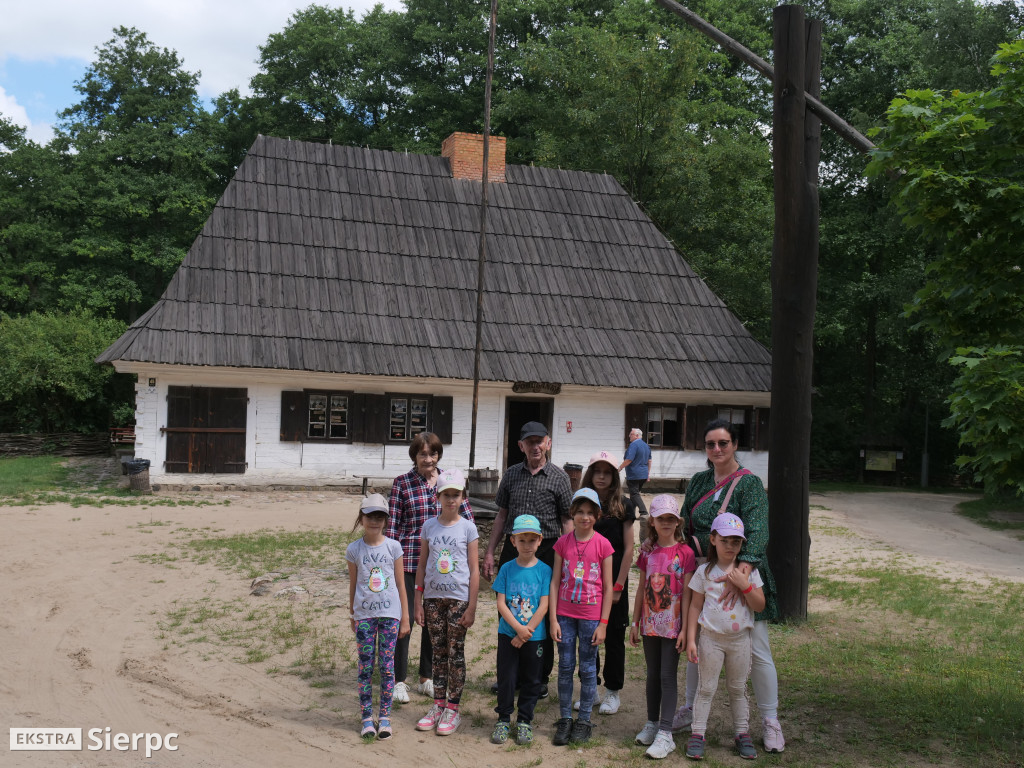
x=533 y=487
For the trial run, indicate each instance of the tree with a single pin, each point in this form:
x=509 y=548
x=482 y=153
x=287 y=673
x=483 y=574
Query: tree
x=144 y=176
x=48 y=380
x=959 y=179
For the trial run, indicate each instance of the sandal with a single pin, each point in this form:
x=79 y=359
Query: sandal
x=384 y=729
x=368 y=729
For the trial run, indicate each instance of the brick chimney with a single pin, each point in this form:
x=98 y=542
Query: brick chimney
x=465 y=152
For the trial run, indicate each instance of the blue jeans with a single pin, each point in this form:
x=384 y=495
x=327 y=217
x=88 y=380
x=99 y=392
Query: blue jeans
x=573 y=630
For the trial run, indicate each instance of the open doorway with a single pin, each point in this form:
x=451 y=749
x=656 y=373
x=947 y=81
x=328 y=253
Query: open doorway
x=518 y=411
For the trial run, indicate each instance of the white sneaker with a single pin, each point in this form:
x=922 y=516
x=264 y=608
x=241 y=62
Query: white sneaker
x=401 y=694
x=426 y=688
x=610 y=705
x=576 y=705
x=647 y=736
x=773 y=740
x=682 y=718
x=663 y=746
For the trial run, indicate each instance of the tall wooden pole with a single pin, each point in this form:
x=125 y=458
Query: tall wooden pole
x=796 y=142
x=482 y=255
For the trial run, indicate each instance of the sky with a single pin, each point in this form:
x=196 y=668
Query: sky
x=46 y=45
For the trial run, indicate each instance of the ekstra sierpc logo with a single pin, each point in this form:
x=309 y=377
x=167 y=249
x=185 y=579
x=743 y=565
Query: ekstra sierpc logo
x=96 y=739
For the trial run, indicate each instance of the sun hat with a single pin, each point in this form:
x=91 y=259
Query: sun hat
x=605 y=457
x=374 y=503
x=451 y=478
x=589 y=494
x=526 y=524
x=664 y=504
x=728 y=525
x=533 y=429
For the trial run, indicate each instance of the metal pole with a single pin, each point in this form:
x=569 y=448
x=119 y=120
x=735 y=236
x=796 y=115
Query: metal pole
x=482 y=258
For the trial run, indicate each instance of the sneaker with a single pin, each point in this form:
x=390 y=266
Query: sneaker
x=581 y=731
x=401 y=693
x=576 y=706
x=430 y=720
x=745 y=746
x=647 y=735
x=500 y=733
x=663 y=746
x=524 y=734
x=695 y=747
x=773 y=741
x=450 y=722
x=682 y=718
x=611 y=702
x=426 y=688
x=563 y=728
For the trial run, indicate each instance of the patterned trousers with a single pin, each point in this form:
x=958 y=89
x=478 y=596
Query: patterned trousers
x=376 y=638
x=448 y=639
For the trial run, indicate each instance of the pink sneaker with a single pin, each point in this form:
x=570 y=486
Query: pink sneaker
x=450 y=722
x=430 y=720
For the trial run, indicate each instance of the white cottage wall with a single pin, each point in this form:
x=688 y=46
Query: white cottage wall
x=597 y=419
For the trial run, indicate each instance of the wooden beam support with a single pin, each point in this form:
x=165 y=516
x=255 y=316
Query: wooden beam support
x=850 y=134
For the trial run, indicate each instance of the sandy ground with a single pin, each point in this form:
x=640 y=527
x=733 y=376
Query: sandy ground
x=81 y=648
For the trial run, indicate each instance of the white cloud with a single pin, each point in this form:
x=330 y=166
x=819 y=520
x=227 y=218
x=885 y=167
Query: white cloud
x=221 y=38
x=16 y=113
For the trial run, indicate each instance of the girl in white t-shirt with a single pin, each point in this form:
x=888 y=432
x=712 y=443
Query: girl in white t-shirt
x=447 y=582
x=724 y=633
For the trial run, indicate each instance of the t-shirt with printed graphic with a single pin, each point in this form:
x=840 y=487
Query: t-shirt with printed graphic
x=376 y=590
x=713 y=616
x=523 y=588
x=661 y=612
x=446 y=571
x=581 y=589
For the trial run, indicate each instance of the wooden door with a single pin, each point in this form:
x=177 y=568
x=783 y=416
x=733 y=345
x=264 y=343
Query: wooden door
x=206 y=430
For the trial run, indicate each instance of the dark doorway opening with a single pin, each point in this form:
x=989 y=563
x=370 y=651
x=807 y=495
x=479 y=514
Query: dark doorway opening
x=518 y=412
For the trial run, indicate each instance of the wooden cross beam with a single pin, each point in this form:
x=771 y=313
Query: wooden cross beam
x=853 y=137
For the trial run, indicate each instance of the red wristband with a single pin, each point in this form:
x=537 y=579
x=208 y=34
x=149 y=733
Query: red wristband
x=748 y=590
x=604 y=621
x=419 y=588
x=617 y=588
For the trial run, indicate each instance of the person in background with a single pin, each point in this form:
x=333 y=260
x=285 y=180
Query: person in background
x=413 y=501
x=637 y=463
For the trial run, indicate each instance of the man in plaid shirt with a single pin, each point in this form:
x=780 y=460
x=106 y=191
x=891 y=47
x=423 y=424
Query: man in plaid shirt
x=413 y=500
x=534 y=487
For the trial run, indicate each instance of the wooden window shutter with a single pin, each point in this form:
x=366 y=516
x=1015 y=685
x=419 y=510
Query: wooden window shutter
x=690 y=428
x=762 y=418
x=441 y=420
x=368 y=418
x=294 y=413
x=636 y=417
x=702 y=415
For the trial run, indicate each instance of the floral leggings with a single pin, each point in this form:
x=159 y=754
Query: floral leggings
x=376 y=637
x=448 y=638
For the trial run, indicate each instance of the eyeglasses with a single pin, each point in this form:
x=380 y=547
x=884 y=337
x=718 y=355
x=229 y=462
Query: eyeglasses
x=723 y=444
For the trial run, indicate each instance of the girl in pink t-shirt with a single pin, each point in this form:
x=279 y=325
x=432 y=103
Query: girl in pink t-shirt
x=579 y=603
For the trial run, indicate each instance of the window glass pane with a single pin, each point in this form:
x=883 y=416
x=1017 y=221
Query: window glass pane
x=399 y=418
x=654 y=425
x=339 y=416
x=671 y=427
x=317 y=416
x=417 y=417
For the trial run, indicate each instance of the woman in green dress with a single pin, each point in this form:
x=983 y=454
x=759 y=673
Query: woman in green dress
x=727 y=487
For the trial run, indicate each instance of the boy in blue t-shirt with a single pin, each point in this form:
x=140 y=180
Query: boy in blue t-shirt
x=522 y=586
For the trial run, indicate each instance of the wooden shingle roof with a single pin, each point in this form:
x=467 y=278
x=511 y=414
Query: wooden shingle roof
x=357 y=261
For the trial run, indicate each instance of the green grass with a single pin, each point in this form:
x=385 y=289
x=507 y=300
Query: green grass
x=31 y=474
x=1001 y=514
x=253 y=554
x=916 y=666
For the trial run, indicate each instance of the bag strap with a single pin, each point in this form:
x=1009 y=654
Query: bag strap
x=722 y=509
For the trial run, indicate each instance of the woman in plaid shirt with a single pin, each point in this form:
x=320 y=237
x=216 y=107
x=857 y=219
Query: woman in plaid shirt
x=413 y=501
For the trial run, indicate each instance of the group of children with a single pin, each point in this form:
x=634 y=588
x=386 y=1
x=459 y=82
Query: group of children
x=679 y=607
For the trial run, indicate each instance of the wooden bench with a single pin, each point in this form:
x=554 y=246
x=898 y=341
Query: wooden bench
x=122 y=435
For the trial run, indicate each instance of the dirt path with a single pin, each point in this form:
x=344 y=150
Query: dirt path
x=81 y=646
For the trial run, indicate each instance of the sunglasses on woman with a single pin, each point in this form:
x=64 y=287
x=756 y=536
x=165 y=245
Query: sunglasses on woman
x=723 y=444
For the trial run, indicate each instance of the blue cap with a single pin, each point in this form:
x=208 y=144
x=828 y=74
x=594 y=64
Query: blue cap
x=587 y=493
x=526 y=524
